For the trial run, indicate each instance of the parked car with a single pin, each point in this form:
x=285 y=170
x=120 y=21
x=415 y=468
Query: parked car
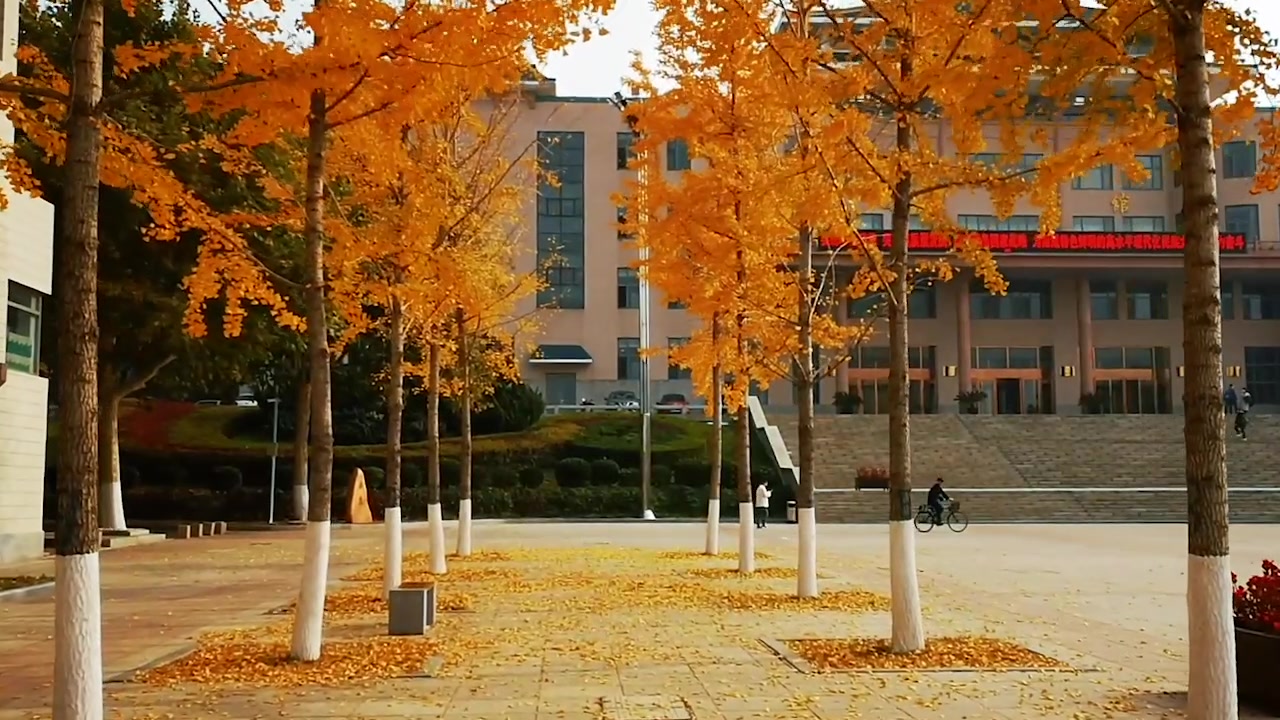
x=622 y=399
x=673 y=404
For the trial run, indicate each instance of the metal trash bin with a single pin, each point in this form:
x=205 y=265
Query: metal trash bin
x=791 y=512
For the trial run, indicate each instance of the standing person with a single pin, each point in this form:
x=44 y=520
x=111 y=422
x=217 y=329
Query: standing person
x=1229 y=399
x=763 y=493
x=1247 y=400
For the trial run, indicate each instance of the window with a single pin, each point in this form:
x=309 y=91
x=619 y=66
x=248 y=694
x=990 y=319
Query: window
x=871 y=221
x=1005 y=358
x=1142 y=223
x=1104 y=300
x=628 y=288
x=1262 y=374
x=677 y=372
x=1261 y=301
x=1025 y=300
x=1154 y=165
x=1093 y=223
x=22 y=346
x=678 y=155
x=916 y=223
x=622 y=221
x=562 y=389
x=1015 y=223
x=1241 y=220
x=561 y=237
x=922 y=303
x=628 y=358
x=1228 y=295
x=1130 y=358
x=1099 y=178
x=626 y=149
x=1147 y=300
x=1027 y=161
x=1239 y=159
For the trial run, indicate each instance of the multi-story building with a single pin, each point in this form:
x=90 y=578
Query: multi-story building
x=26 y=266
x=1096 y=306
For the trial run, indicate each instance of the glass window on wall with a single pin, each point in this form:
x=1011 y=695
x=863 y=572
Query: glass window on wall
x=1147 y=300
x=1025 y=300
x=1262 y=374
x=1099 y=178
x=628 y=288
x=1093 y=223
x=1260 y=300
x=1241 y=220
x=22 y=343
x=675 y=371
x=922 y=303
x=628 y=358
x=1239 y=159
x=678 y=155
x=1104 y=300
x=1142 y=223
x=1154 y=165
x=1228 y=300
x=626 y=149
x=871 y=221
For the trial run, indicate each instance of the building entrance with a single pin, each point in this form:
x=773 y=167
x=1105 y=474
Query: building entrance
x=1016 y=380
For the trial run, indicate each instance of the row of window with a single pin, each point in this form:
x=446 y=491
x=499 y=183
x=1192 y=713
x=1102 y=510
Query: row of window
x=629 y=359
x=22 y=339
x=677 y=153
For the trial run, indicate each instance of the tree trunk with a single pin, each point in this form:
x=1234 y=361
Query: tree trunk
x=717 y=445
x=742 y=453
x=1211 y=687
x=464 y=422
x=301 y=448
x=394 y=545
x=907 y=634
x=77 y=633
x=308 y=622
x=435 y=519
x=110 y=494
x=807 y=571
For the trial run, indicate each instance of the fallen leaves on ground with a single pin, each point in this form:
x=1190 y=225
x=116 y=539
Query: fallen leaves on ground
x=418 y=569
x=354 y=602
x=689 y=555
x=944 y=653
x=13 y=582
x=769 y=573
x=248 y=658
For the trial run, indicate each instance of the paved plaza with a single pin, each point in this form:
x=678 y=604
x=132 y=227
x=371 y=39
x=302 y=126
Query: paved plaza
x=595 y=620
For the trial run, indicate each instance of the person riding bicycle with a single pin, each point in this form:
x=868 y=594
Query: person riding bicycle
x=936 y=497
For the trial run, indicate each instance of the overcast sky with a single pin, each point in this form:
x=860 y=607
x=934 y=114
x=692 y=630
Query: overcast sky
x=598 y=67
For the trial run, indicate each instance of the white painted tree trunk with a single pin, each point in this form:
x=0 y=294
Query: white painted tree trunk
x=713 y=526
x=111 y=514
x=807 y=575
x=393 y=560
x=435 y=525
x=308 y=626
x=907 y=634
x=301 y=497
x=464 y=527
x=746 y=538
x=77 y=633
x=1212 y=640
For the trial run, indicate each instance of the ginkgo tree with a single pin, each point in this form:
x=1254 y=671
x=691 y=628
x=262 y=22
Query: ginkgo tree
x=364 y=58
x=1199 y=65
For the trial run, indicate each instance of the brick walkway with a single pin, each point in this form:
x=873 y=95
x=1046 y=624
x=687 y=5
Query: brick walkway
x=1107 y=599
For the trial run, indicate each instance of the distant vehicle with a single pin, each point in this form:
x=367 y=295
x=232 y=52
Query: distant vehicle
x=673 y=404
x=622 y=398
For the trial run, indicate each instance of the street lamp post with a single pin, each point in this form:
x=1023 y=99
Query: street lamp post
x=646 y=379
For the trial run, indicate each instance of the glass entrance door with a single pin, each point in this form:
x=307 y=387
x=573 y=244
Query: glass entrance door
x=1011 y=396
x=1129 y=397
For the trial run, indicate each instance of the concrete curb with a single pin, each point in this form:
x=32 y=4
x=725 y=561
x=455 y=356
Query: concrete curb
x=30 y=592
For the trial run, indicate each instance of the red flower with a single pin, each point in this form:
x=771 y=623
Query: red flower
x=1257 y=602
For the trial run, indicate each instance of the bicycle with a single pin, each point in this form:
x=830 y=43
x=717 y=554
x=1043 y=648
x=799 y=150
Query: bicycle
x=951 y=516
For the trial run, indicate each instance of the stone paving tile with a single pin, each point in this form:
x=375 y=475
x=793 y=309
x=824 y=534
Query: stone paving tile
x=1110 y=597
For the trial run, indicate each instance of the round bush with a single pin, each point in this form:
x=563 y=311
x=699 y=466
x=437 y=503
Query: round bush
x=374 y=477
x=227 y=479
x=531 y=477
x=503 y=477
x=573 y=473
x=630 y=477
x=693 y=473
x=605 y=472
x=450 y=472
x=659 y=476
x=411 y=476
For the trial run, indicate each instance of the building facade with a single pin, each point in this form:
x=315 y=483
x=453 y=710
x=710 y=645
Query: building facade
x=26 y=265
x=1095 y=309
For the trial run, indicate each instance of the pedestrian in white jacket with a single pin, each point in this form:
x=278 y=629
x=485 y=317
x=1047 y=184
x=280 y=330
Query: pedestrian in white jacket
x=763 y=493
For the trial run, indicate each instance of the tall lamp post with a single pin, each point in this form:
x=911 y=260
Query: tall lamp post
x=646 y=391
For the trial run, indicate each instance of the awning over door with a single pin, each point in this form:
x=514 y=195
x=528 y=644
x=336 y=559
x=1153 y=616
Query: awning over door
x=560 y=355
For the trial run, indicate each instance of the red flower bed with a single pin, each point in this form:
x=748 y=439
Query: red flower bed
x=1257 y=602
x=149 y=423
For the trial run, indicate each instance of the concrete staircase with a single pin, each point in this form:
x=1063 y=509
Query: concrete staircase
x=1040 y=468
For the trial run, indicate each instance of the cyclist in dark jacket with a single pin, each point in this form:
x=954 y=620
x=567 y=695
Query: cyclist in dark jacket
x=936 y=497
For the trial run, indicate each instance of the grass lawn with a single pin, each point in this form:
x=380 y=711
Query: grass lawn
x=185 y=427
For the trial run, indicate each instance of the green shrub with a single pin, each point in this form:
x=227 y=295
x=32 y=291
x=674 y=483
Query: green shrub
x=412 y=476
x=617 y=436
x=532 y=477
x=630 y=477
x=573 y=473
x=692 y=473
x=375 y=478
x=503 y=478
x=605 y=472
x=450 y=472
x=227 y=479
x=660 y=476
